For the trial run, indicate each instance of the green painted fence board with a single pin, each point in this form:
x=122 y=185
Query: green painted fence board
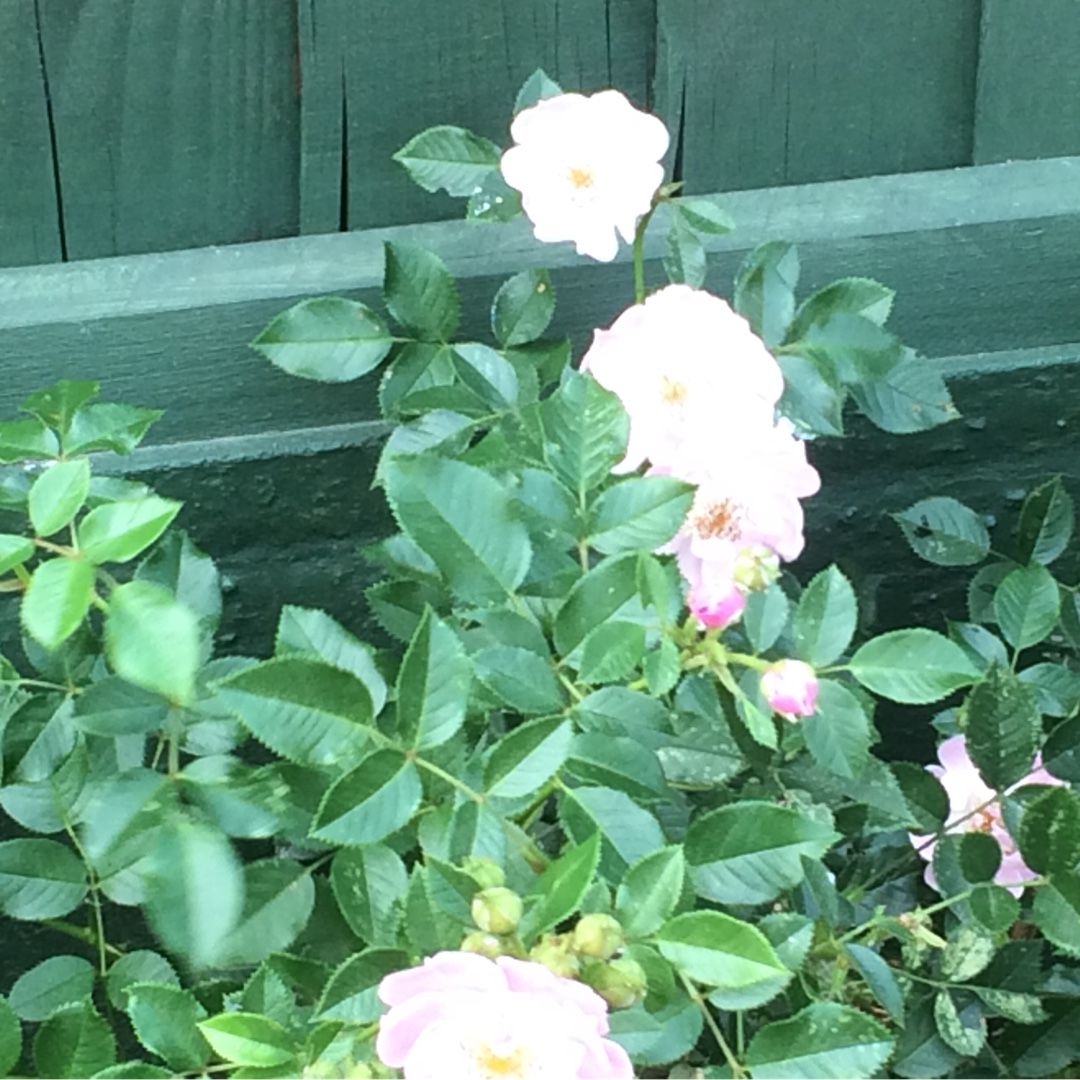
x=176 y=123
x=792 y=91
x=375 y=75
x=29 y=222
x=1028 y=102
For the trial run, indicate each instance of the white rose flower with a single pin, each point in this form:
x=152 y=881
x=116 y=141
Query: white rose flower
x=586 y=166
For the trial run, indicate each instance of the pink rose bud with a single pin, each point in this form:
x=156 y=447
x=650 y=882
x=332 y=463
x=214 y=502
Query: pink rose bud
x=791 y=688
x=719 y=609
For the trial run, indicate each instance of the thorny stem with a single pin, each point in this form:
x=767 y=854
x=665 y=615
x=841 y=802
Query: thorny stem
x=737 y=1071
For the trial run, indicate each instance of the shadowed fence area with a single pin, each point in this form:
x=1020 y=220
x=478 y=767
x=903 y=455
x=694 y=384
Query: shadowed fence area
x=130 y=127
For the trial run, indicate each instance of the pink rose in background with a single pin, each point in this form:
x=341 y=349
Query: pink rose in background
x=967 y=793
x=586 y=167
x=462 y=1015
x=791 y=688
x=686 y=367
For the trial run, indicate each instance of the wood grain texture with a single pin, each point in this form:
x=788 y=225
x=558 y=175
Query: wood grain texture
x=176 y=123
x=29 y=218
x=375 y=75
x=771 y=92
x=1028 y=103
x=983 y=260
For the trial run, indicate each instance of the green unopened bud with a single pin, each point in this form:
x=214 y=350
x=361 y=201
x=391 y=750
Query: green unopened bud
x=599 y=936
x=756 y=568
x=484 y=944
x=497 y=910
x=487 y=873
x=553 y=951
x=621 y=983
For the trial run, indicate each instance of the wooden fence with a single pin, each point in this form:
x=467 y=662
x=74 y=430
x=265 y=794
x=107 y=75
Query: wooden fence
x=131 y=126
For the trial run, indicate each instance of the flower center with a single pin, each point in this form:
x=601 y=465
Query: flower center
x=502 y=1063
x=716 y=520
x=580 y=176
x=673 y=391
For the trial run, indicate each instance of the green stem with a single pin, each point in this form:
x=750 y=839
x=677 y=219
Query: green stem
x=574 y=692
x=737 y=1071
x=80 y=933
x=746 y=660
x=639 y=255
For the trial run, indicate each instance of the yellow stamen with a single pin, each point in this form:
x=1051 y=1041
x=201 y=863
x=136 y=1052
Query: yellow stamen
x=495 y=1066
x=716 y=520
x=581 y=177
x=673 y=391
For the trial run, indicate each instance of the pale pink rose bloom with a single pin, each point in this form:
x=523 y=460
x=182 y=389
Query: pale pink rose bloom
x=685 y=366
x=967 y=791
x=586 y=166
x=791 y=688
x=462 y=1015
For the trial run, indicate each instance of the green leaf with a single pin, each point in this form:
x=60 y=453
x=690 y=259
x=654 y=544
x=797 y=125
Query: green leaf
x=914 y=667
x=249 y=1039
x=376 y=798
x=628 y=831
x=557 y=893
x=14 y=551
x=1002 y=724
x=58 y=494
x=50 y=985
x=21 y=439
x=495 y=202
x=765 y=616
x=313 y=632
x=538 y=86
x=825 y=619
x=641 y=513
x=190 y=919
x=994 y=907
x=368 y=884
x=10 y=1038
x=118 y=531
x=74 y=1042
x=302 y=708
x=924 y=794
x=449 y=158
x=109 y=426
x=1056 y=912
x=165 y=1020
x=968 y=952
x=856 y=296
x=749 y=852
x=616 y=762
x=56 y=405
x=765 y=289
x=881 y=979
x=594 y=599
x=1057 y=687
x=685 y=259
x=523 y=308
x=420 y=293
x=39 y=879
x=433 y=685
x=1061 y=754
x=838 y=734
x=57 y=600
x=465 y=521
x=980 y=856
x=662 y=667
x=586 y=429
x=718 y=950
x=279 y=896
x=945 y=532
x=964 y=1032
x=813 y=398
x=650 y=891
x=351 y=994
x=487 y=374
x=980 y=644
x=520 y=678
x=611 y=651
x=704 y=215
x=1050 y=831
x=1046 y=523
x=138 y=966
x=910 y=397
x=152 y=640
x=824 y=1041
x=328 y=339
x=523 y=761
x=855 y=348
x=1026 y=605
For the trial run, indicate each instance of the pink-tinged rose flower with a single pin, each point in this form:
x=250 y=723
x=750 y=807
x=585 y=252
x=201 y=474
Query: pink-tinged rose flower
x=463 y=1015
x=973 y=806
x=791 y=688
x=586 y=166
x=686 y=367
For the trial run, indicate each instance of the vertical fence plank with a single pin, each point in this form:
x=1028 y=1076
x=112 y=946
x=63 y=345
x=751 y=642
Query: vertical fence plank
x=1028 y=103
x=29 y=219
x=405 y=66
x=794 y=91
x=176 y=123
